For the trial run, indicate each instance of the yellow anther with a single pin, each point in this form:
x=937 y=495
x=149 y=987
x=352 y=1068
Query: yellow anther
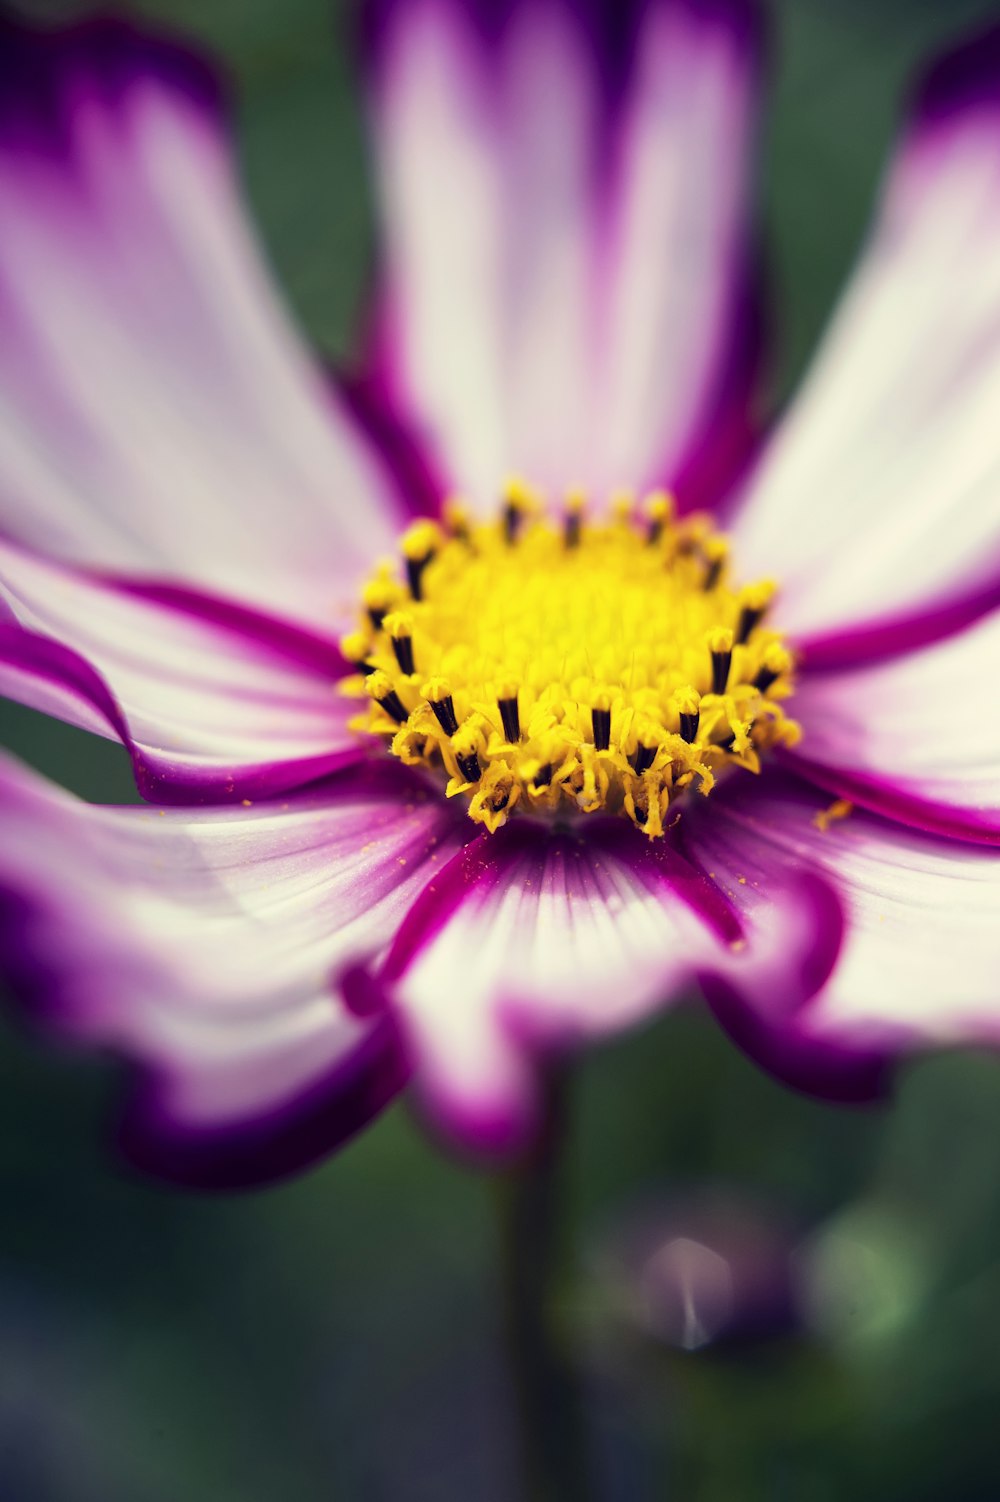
x=519 y=494
x=420 y=540
x=686 y=700
x=714 y=550
x=720 y=639
x=380 y=594
x=355 y=646
x=777 y=659
x=757 y=596
x=436 y=689
x=659 y=507
x=378 y=685
x=467 y=738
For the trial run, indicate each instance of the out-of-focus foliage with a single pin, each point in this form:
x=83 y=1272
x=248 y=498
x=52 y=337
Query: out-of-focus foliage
x=339 y=1337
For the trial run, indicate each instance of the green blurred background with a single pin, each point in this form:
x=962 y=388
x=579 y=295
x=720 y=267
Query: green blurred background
x=339 y=1337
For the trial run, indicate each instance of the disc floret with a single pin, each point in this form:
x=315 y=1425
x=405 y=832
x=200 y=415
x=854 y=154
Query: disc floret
x=561 y=663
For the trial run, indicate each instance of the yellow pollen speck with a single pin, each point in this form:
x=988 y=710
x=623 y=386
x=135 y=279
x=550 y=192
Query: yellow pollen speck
x=840 y=809
x=572 y=665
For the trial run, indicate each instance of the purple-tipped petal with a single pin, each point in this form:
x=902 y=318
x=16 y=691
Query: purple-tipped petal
x=212 y=702
x=157 y=412
x=920 y=955
x=878 y=501
x=563 y=197
x=917 y=738
x=532 y=941
x=206 y=946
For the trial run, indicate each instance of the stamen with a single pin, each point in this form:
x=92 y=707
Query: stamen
x=465 y=744
x=518 y=501
x=714 y=551
x=754 y=601
x=575 y=503
x=399 y=625
x=379 y=596
x=469 y=766
x=601 y=725
x=688 y=705
x=720 y=644
x=438 y=694
x=776 y=662
x=510 y=715
x=419 y=546
x=354 y=648
x=659 y=509
x=379 y=687
x=644 y=758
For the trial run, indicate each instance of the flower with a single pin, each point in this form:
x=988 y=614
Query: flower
x=197 y=523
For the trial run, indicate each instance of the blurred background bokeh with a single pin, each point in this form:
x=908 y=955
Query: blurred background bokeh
x=775 y=1299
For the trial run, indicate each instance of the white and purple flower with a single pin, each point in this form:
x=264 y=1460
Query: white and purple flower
x=189 y=509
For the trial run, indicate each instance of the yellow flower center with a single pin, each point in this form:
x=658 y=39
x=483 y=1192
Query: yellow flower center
x=567 y=665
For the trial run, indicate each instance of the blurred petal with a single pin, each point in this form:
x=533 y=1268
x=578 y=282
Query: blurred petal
x=878 y=504
x=563 y=196
x=205 y=946
x=921 y=951
x=917 y=738
x=212 y=702
x=157 y=412
x=532 y=941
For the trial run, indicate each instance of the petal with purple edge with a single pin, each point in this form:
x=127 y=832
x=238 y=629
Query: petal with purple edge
x=212 y=702
x=917 y=738
x=205 y=946
x=878 y=502
x=157 y=412
x=532 y=941
x=563 y=200
x=920 y=956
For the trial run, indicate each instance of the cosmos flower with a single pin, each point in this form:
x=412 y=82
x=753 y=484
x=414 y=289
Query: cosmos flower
x=495 y=698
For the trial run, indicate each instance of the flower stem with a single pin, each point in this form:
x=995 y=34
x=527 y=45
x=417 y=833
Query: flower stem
x=550 y=1415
